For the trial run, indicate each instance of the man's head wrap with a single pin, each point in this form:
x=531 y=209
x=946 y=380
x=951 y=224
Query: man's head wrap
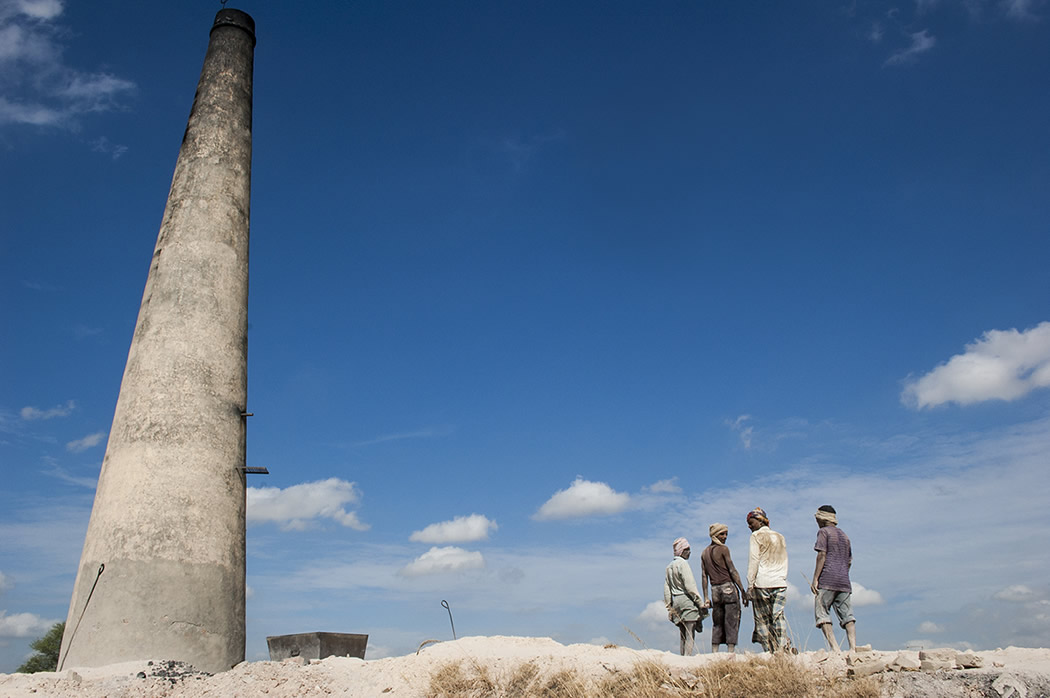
x=826 y=514
x=760 y=514
x=680 y=546
x=716 y=529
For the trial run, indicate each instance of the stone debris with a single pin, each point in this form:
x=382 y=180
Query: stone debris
x=867 y=663
x=172 y=671
x=906 y=661
x=1010 y=687
x=933 y=660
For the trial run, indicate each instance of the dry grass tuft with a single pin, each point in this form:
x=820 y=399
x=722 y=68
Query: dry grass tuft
x=452 y=681
x=563 y=684
x=780 y=676
x=523 y=679
x=647 y=679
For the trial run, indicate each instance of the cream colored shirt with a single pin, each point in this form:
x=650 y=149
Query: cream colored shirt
x=680 y=590
x=767 y=560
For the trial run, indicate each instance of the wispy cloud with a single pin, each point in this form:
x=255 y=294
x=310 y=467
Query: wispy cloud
x=426 y=433
x=521 y=150
x=740 y=426
x=928 y=627
x=89 y=441
x=58 y=472
x=925 y=6
x=1001 y=365
x=668 y=486
x=583 y=498
x=5 y=583
x=39 y=88
x=921 y=42
x=104 y=145
x=296 y=507
x=442 y=561
x=1020 y=9
x=1017 y=593
x=30 y=414
x=83 y=331
x=40 y=286
x=462 y=529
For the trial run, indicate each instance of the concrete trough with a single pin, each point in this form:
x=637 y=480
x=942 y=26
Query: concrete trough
x=316 y=645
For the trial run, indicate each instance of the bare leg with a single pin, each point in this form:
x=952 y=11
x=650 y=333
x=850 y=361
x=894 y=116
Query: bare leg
x=714 y=646
x=731 y=649
x=829 y=636
x=851 y=635
x=686 y=630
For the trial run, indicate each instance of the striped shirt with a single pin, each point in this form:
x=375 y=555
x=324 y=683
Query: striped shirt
x=835 y=544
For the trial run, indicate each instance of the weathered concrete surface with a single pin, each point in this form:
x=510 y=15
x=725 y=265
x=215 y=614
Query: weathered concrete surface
x=168 y=519
x=316 y=645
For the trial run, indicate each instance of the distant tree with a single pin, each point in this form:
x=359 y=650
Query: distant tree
x=47 y=648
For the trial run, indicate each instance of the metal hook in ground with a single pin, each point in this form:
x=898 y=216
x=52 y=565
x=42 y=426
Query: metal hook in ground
x=444 y=605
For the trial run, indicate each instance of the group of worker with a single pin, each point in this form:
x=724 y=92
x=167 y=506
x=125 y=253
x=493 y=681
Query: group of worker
x=767 y=567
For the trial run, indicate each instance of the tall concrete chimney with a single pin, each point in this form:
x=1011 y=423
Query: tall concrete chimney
x=161 y=575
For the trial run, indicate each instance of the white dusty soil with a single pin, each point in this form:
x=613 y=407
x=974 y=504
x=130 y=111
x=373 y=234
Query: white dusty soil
x=1024 y=673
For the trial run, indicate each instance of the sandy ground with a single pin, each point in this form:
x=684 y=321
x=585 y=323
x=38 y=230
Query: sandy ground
x=1024 y=673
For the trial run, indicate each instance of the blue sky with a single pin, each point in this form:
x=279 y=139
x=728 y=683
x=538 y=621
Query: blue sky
x=538 y=287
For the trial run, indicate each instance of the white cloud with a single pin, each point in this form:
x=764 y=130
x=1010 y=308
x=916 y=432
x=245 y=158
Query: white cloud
x=296 y=506
x=23 y=624
x=443 y=560
x=36 y=9
x=5 y=583
x=862 y=596
x=89 y=441
x=1001 y=365
x=1017 y=593
x=928 y=627
x=32 y=413
x=794 y=594
x=38 y=88
x=583 y=498
x=462 y=529
x=921 y=42
x=668 y=486
x=654 y=615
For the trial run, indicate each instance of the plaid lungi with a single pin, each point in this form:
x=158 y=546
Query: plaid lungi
x=770 y=623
